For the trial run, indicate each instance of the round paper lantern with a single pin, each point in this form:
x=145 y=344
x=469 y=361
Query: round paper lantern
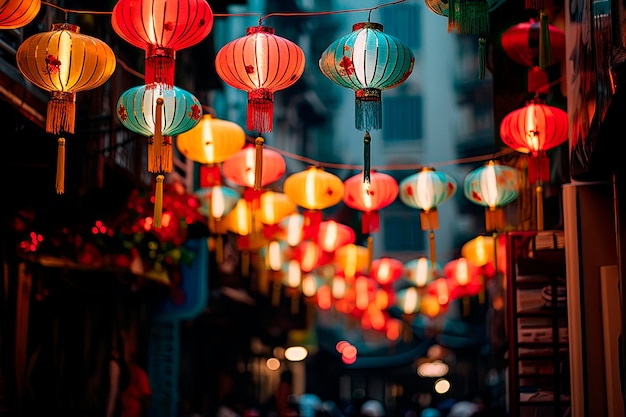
x=521 y=43
x=386 y=270
x=352 y=259
x=158 y=112
x=217 y=201
x=408 y=300
x=492 y=186
x=333 y=235
x=367 y=60
x=535 y=128
x=210 y=143
x=382 y=191
x=241 y=167
x=313 y=189
x=18 y=13
x=273 y=208
x=161 y=28
x=260 y=63
x=292 y=227
x=420 y=271
x=63 y=61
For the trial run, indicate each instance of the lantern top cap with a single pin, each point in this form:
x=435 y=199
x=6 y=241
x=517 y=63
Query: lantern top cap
x=367 y=25
x=66 y=26
x=260 y=29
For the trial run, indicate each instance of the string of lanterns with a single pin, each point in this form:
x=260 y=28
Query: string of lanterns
x=64 y=62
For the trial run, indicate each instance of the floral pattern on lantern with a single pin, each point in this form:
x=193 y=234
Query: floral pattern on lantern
x=18 y=13
x=161 y=28
x=260 y=63
x=381 y=192
x=63 y=61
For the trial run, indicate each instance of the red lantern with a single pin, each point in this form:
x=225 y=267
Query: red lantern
x=382 y=191
x=333 y=235
x=386 y=271
x=18 y=13
x=260 y=63
x=161 y=28
x=241 y=167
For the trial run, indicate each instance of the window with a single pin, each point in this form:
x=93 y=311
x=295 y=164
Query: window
x=402 y=229
x=402 y=118
x=403 y=22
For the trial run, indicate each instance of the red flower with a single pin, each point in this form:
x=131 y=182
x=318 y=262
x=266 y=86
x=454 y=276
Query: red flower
x=195 y=112
x=52 y=64
x=346 y=64
x=122 y=112
x=168 y=26
x=250 y=69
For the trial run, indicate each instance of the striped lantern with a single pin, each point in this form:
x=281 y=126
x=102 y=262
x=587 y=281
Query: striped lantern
x=381 y=192
x=492 y=186
x=158 y=112
x=367 y=60
x=161 y=28
x=260 y=63
x=18 y=13
x=63 y=61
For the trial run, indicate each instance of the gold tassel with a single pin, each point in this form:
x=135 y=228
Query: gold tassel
x=219 y=249
x=154 y=160
x=60 y=166
x=539 y=193
x=370 y=253
x=61 y=113
x=258 y=163
x=166 y=154
x=158 y=201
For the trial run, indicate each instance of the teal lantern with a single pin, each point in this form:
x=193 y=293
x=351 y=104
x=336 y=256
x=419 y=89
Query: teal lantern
x=492 y=186
x=158 y=112
x=420 y=272
x=425 y=191
x=367 y=61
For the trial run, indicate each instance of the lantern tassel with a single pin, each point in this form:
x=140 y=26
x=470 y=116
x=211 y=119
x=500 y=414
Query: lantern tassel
x=154 y=157
x=482 y=57
x=367 y=139
x=61 y=113
x=258 y=163
x=260 y=110
x=158 y=201
x=60 y=184
x=368 y=109
x=470 y=16
x=544 y=40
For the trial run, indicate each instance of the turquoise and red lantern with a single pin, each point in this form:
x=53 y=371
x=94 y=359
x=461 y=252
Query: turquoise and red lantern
x=492 y=186
x=368 y=61
x=158 y=112
x=161 y=28
x=260 y=63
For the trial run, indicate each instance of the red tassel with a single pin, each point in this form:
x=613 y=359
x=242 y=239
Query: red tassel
x=260 y=110
x=370 y=222
x=538 y=169
x=311 y=223
x=159 y=66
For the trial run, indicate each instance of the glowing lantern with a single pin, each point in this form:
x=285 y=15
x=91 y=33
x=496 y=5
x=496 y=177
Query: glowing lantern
x=425 y=191
x=64 y=62
x=18 y=13
x=211 y=142
x=408 y=300
x=420 y=271
x=333 y=235
x=292 y=226
x=382 y=191
x=492 y=186
x=274 y=207
x=367 y=61
x=534 y=129
x=482 y=252
x=313 y=189
x=352 y=259
x=310 y=255
x=161 y=28
x=260 y=63
x=241 y=168
x=440 y=288
x=215 y=203
x=158 y=112
x=466 y=280
x=386 y=271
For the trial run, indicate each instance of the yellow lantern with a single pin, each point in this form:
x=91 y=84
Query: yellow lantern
x=351 y=259
x=275 y=207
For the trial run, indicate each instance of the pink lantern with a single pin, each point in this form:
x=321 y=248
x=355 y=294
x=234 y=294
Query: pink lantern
x=370 y=198
x=386 y=271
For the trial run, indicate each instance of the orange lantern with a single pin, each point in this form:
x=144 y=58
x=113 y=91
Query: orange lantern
x=161 y=28
x=386 y=271
x=64 y=62
x=314 y=189
x=18 y=13
x=260 y=63
x=352 y=259
x=310 y=255
x=370 y=198
x=333 y=235
x=274 y=207
x=210 y=143
x=241 y=168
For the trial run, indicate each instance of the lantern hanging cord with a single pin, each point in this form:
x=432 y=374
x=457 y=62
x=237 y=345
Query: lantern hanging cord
x=67 y=11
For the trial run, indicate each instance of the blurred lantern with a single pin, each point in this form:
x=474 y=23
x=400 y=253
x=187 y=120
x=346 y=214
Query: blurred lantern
x=440 y=288
x=367 y=61
x=244 y=223
x=382 y=191
x=313 y=189
x=333 y=235
x=210 y=143
x=64 y=62
x=242 y=169
x=352 y=259
x=310 y=255
x=310 y=285
x=215 y=203
x=482 y=252
x=161 y=28
x=521 y=42
x=492 y=186
x=292 y=280
x=534 y=129
x=545 y=47
x=18 y=13
x=386 y=271
x=292 y=227
x=466 y=280
x=420 y=271
x=408 y=300
x=158 y=112
x=274 y=207
x=425 y=191
x=260 y=63
x=468 y=17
